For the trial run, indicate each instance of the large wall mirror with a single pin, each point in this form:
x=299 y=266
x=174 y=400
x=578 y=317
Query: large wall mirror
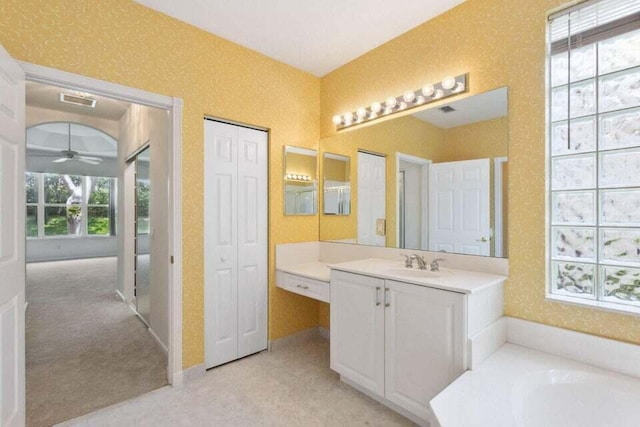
x=433 y=180
x=300 y=181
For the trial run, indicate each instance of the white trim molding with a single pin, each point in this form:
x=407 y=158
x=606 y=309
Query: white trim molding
x=498 y=193
x=424 y=163
x=51 y=76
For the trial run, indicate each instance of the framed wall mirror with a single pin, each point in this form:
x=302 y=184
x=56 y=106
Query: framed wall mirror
x=300 y=181
x=432 y=180
x=336 y=185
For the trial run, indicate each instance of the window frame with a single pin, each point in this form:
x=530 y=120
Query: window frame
x=41 y=206
x=598 y=263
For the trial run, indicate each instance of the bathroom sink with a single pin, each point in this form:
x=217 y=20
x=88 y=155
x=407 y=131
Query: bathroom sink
x=416 y=273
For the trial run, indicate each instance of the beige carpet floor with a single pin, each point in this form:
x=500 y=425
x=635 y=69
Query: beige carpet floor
x=290 y=386
x=86 y=349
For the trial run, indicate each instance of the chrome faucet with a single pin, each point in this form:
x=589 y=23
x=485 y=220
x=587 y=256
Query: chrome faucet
x=422 y=264
x=407 y=261
x=434 y=264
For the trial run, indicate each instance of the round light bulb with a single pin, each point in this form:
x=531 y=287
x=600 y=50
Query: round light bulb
x=402 y=105
x=347 y=118
x=372 y=115
x=388 y=110
x=448 y=82
x=409 y=96
x=337 y=119
x=459 y=87
x=361 y=112
x=420 y=100
x=427 y=90
x=376 y=107
x=438 y=94
x=391 y=102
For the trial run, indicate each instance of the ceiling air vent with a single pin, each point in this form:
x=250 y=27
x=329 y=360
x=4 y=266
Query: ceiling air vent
x=447 y=109
x=78 y=100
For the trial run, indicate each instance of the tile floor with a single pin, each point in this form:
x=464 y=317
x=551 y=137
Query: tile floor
x=290 y=386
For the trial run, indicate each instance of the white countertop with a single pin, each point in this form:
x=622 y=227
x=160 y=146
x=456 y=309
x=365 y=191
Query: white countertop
x=520 y=387
x=311 y=270
x=462 y=281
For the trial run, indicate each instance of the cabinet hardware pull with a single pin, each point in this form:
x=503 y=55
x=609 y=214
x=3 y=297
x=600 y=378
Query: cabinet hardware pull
x=377 y=295
x=386 y=294
x=303 y=286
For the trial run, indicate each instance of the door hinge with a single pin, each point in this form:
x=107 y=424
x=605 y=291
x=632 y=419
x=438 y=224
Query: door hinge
x=171 y=259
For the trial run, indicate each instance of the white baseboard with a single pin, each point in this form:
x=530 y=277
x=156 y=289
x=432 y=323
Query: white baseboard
x=601 y=352
x=121 y=295
x=159 y=341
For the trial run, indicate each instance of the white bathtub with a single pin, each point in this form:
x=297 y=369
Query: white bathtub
x=519 y=387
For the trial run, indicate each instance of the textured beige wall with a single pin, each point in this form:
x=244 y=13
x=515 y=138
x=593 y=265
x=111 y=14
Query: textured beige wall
x=499 y=43
x=123 y=42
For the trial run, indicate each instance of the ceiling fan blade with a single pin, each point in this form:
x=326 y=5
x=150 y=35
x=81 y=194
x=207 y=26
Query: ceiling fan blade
x=95 y=159
x=61 y=160
x=43 y=155
x=88 y=161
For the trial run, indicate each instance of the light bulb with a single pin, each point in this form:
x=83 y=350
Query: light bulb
x=409 y=96
x=402 y=105
x=361 y=112
x=388 y=110
x=391 y=102
x=372 y=115
x=348 y=118
x=448 y=82
x=376 y=107
x=427 y=90
x=459 y=87
x=420 y=100
x=337 y=119
x=438 y=94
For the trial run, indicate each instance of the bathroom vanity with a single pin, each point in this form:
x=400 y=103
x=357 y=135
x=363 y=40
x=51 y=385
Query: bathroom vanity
x=400 y=335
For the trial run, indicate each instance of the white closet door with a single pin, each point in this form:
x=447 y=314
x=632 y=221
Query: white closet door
x=12 y=242
x=221 y=243
x=252 y=241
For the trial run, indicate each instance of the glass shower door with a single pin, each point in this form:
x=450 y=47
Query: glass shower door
x=143 y=234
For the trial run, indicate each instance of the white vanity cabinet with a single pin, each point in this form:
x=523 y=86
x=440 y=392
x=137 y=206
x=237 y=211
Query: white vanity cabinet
x=402 y=342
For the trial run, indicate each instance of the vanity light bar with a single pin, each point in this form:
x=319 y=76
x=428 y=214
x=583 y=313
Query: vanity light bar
x=449 y=86
x=297 y=177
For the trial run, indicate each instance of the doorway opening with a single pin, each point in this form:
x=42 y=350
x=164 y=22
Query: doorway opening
x=90 y=341
x=412 y=224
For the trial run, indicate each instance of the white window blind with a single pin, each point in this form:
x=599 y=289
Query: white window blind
x=594 y=154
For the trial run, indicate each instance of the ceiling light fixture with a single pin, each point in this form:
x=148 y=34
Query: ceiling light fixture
x=83 y=101
x=449 y=86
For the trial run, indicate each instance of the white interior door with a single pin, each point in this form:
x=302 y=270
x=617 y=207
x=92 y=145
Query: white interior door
x=220 y=243
x=459 y=197
x=371 y=199
x=252 y=241
x=12 y=242
x=235 y=242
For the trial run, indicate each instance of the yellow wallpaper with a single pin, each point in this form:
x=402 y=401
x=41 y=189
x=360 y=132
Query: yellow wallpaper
x=481 y=140
x=500 y=43
x=123 y=42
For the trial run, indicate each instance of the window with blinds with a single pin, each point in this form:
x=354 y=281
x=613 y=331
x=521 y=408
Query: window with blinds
x=594 y=154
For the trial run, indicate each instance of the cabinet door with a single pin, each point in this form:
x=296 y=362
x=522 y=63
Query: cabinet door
x=424 y=344
x=357 y=329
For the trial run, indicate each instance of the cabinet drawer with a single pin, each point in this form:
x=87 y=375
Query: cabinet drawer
x=315 y=289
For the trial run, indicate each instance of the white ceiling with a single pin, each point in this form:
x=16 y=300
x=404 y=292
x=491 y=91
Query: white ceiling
x=477 y=108
x=43 y=96
x=312 y=35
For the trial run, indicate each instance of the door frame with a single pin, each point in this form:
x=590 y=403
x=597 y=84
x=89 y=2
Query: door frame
x=424 y=195
x=50 y=76
x=498 y=194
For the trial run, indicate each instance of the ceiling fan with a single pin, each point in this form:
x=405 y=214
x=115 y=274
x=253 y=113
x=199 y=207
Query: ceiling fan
x=69 y=154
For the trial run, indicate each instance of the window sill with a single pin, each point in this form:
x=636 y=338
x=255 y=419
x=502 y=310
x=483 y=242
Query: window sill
x=93 y=236
x=600 y=305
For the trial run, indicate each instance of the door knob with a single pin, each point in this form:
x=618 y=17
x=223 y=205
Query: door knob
x=223 y=258
x=483 y=240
